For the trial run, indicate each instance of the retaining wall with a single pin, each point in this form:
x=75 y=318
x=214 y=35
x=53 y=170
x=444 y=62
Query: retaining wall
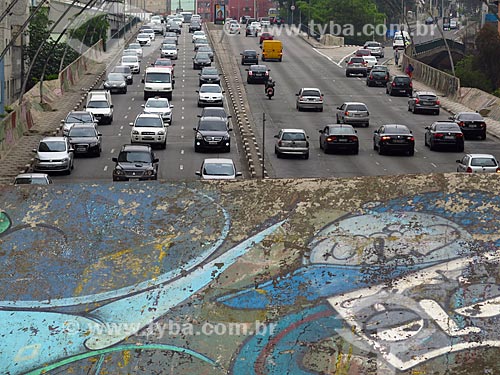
x=487 y=104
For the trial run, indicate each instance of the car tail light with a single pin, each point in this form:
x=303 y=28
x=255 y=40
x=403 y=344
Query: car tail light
x=350 y=63
x=329 y=139
x=461 y=123
x=385 y=138
x=250 y=73
x=371 y=77
x=411 y=84
x=280 y=143
x=459 y=135
x=483 y=124
x=353 y=138
x=438 y=102
x=438 y=135
x=417 y=101
x=346 y=113
x=411 y=139
x=267 y=73
x=498 y=170
x=469 y=170
x=393 y=84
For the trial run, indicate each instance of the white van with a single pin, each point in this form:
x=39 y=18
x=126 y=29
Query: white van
x=158 y=82
x=99 y=103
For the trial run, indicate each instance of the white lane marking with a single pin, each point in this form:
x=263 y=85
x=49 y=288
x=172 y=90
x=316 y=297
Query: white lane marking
x=434 y=165
x=182 y=152
x=325 y=56
x=105 y=168
x=182 y=86
x=182 y=127
x=129 y=108
x=181 y=167
x=182 y=108
x=133 y=99
x=182 y=99
x=377 y=163
x=182 y=117
x=121 y=127
x=125 y=116
x=119 y=134
x=182 y=136
x=112 y=151
x=345 y=57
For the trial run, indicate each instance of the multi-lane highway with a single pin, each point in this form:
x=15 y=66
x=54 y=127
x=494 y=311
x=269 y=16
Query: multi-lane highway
x=302 y=66
x=178 y=162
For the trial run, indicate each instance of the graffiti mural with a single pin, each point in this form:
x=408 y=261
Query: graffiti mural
x=246 y=279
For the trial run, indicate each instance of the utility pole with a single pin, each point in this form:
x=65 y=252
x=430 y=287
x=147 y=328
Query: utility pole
x=263 y=143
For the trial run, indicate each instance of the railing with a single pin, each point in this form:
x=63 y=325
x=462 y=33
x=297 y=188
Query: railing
x=438 y=43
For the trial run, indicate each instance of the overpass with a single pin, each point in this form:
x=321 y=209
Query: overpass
x=434 y=52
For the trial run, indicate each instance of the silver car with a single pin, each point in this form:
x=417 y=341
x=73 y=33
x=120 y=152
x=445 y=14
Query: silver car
x=353 y=113
x=53 y=154
x=77 y=118
x=32 y=179
x=478 y=163
x=292 y=142
x=375 y=48
x=309 y=98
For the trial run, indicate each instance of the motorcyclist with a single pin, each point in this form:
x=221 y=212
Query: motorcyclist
x=269 y=83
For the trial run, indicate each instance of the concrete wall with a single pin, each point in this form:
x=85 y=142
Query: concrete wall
x=331 y=40
x=487 y=104
x=375 y=275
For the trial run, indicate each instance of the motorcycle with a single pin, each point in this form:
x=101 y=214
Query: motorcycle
x=270 y=92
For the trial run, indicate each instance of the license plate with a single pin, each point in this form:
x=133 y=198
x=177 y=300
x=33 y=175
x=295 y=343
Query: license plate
x=80 y=149
x=472 y=126
x=133 y=179
x=449 y=137
x=212 y=142
x=398 y=141
x=342 y=140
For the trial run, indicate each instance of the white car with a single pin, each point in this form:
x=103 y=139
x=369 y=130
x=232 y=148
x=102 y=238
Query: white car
x=478 y=163
x=256 y=26
x=375 y=48
x=136 y=47
x=159 y=106
x=149 y=128
x=169 y=50
x=453 y=25
x=198 y=35
x=132 y=62
x=210 y=94
x=178 y=20
x=234 y=28
x=32 y=179
x=218 y=169
x=149 y=32
x=265 y=22
x=371 y=61
x=130 y=52
x=53 y=154
x=143 y=39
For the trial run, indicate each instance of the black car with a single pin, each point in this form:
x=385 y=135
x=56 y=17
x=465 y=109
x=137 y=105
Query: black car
x=207 y=49
x=399 y=85
x=422 y=101
x=215 y=112
x=257 y=74
x=209 y=75
x=135 y=162
x=194 y=26
x=126 y=71
x=212 y=133
x=115 y=82
x=339 y=138
x=472 y=124
x=393 y=137
x=444 y=134
x=84 y=139
x=170 y=40
x=377 y=78
x=174 y=27
x=201 y=59
x=249 y=56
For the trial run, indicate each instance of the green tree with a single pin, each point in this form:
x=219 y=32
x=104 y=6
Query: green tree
x=91 y=31
x=488 y=47
x=470 y=74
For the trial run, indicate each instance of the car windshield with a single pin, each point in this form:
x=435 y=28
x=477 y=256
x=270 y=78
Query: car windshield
x=341 y=130
x=82 y=132
x=129 y=52
x=214 y=112
x=356 y=107
x=129 y=59
x=148 y=122
x=201 y=41
x=121 y=69
x=202 y=55
x=250 y=53
x=163 y=63
x=212 y=89
x=372 y=44
x=98 y=104
x=470 y=117
x=205 y=49
x=157 y=103
x=134 y=46
x=447 y=127
x=84 y=117
x=143 y=36
x=218 y=169
x=52 y=146
x=483 y=162
x=31 y=181
x=213 y=125
x=396 y=130
x=197 y=33
x=209 y=71
x=170 y=41
x=157 y=77
x=115 y=77
x=169 y=46
x=293 y=136
x=310 y=93
x=258 y=68
x=134 y=157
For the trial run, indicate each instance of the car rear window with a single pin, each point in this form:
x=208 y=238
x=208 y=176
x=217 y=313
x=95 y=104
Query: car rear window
x=257 y=68
x=379 y=73
x=470 y=117
x=250 y=53
x=448 y=127
x=357 y=60
x=310 y=93
x=396 y=130
x=341 y=130
x=483 y=162
x=402 y=79
x=428 y=97
x=356 y=107
x=293 y=137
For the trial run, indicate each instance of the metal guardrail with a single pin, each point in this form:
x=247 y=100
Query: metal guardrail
x=438 y=43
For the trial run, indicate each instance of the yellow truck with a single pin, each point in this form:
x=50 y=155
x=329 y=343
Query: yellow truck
x=272 y=50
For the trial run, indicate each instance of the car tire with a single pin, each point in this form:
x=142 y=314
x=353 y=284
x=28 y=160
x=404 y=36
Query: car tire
x=146 y=97
x=380 y=150
x=483 y=136
x=278 y=154
x=386 y=90
x=347 y=74
x=196 y=148
x=425 y=141
x=367 y=124
x=298 y=108
x=306 y=155
x=414 y=110
x=356 y=151
x=228 y=149
x=337 y=119
x=409 y=108
x=263 y=58
x=390 y=93
x=411 y=152
x=431 y=146
x=374 y=146
x=164 y=145
x=98 y=153
x=199 y=104
x=437 y=113
x=460 y=148
x=169 y=95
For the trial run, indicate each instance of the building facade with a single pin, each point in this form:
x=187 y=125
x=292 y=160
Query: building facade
x=235 y=8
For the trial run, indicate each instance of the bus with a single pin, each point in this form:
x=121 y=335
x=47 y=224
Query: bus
x=187 y=16
x=272 y=12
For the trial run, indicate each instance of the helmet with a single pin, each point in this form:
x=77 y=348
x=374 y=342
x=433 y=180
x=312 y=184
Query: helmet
x=270 y=79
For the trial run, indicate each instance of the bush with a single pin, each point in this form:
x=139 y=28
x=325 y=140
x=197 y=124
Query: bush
x=470 y=76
